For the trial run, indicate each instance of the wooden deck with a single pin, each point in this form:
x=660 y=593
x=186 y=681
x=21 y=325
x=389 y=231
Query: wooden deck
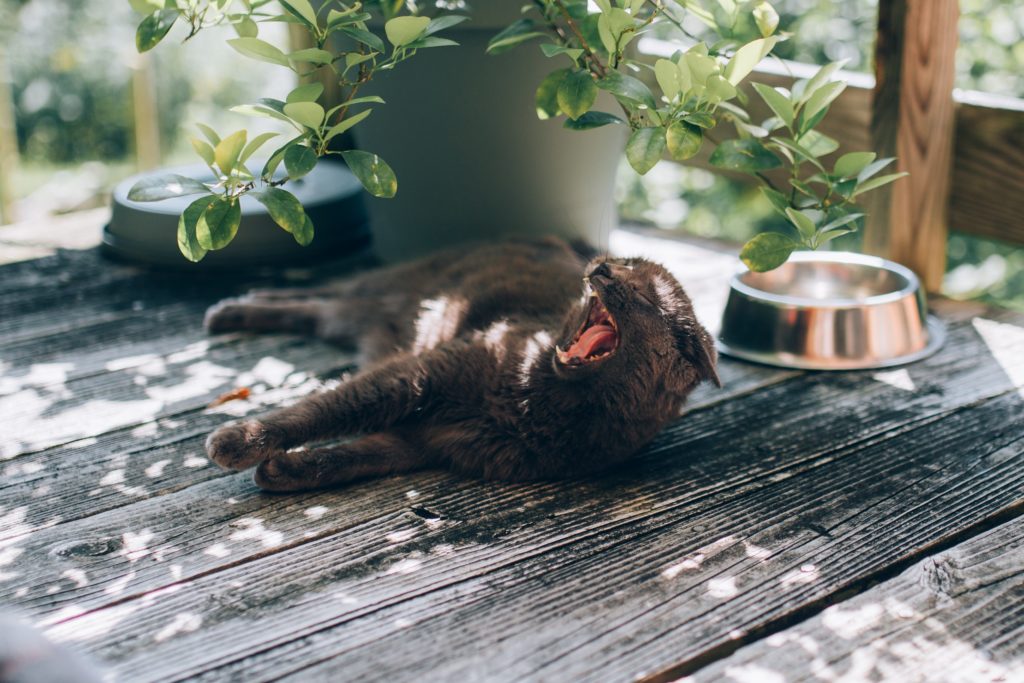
x=791 y=526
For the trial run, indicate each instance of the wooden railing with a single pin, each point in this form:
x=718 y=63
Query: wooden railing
x=964 y=150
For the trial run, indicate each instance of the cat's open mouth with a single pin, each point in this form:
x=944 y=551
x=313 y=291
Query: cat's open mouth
x=597 y=338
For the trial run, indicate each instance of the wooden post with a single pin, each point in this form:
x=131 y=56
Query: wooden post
x=145 y=114
x=8 y=143
x=913 y=120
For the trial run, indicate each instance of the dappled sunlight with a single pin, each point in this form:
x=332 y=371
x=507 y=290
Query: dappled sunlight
x=900 y=379
x=722 y=587
x=1006 y=344
x=694 y=560
x=184 y=622
x=806 y=573
x=252 y=529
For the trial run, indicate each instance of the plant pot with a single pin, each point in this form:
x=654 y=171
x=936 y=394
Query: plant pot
x=146 y=232
x=829 y=311
x=473 y=161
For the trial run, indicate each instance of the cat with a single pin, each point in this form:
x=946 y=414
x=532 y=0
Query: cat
x=515 y=361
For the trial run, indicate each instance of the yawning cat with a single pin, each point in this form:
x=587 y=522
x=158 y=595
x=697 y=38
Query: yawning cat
x=485 y=360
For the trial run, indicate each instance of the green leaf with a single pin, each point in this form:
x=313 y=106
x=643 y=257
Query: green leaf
x=592 y=119
x=748 y=57
x=218 y=223
x=261 y=50
x=778 y=200
x=804 y=224
x=228 y=150
x=819 y=79
x=576 y=93
x=203 y=150
x=254 y=145
x=444 y=22
x=210 y=133
x=644 y=148
x=744 y=155
x=776 y=101
x=277 y=157
x=514 y=34
x=283 y=207
x=260 y=110
x=310 y=92
x=304 y=235
x=766 y=18
x=839 y=222
x=821 y=98
x=372 y=171
x=667 y=74
x=767 y=251
x=628 y=89
x=153 y=29
x=403 y=30
x=309 y=114
x=430 y=41
x=146 y=7
x=342 y=126
x=156 y=188
x=246 y=28
x=817 y=143
x=311 y=55
x=852 y=163
x=684 y=140
x=299 y=160
x=877 y=182
x=719 y=89
x=301 y=9
x=188 y=243
x=552 y=50
x=701 y=119
x=365 y=37
x=873 y=168
x=546 y=97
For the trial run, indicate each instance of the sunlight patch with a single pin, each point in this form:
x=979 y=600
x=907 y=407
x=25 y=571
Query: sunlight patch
x=437 y=322
x=900 y=379
x=1006 y=344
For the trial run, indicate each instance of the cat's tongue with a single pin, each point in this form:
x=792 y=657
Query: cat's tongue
x=595 y=340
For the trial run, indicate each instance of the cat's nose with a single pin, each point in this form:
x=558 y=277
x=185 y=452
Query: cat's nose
x=613 y=271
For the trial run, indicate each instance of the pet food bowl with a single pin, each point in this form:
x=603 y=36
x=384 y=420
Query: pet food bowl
x=829 y=311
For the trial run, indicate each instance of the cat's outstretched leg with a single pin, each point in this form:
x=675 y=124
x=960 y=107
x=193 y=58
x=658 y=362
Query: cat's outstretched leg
x=370 y=402
x=256 y=315
x=377 y=455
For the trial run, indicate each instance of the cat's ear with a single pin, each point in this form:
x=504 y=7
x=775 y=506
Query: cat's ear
x=699 y=349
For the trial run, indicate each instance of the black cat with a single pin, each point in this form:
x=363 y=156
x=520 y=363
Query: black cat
x=484 y=360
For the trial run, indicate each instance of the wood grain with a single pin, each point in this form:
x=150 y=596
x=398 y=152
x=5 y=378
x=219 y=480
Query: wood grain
x=957 y=615
x=914 y=120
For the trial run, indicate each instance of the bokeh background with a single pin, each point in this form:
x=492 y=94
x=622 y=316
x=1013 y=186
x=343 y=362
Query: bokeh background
x=86 y=110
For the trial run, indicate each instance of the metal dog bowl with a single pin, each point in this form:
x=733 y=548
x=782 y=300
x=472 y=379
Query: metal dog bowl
x=829 y=311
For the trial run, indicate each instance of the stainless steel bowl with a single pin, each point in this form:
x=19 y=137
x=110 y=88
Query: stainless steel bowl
x=829 y=311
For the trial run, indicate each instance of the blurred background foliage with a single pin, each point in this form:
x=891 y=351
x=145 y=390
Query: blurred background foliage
x=70 y=65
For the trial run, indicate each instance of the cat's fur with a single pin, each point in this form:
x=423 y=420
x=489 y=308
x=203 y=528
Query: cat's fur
x=463 y=369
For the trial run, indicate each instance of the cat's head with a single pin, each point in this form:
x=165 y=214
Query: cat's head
x=635 y=314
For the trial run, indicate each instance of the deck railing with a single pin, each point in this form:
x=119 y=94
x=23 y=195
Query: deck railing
x=964 y=150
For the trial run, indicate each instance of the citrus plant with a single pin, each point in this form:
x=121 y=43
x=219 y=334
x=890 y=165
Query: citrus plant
x=212 y=220
x=699 y=88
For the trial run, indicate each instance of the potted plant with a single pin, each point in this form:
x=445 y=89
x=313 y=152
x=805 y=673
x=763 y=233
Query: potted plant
x=700 y=101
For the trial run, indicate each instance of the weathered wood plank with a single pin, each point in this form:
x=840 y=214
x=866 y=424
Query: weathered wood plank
x=988 y=170
x=44 y=412
x=592 y=581
x=955 y=616
x=636 y=603
x=738 y=460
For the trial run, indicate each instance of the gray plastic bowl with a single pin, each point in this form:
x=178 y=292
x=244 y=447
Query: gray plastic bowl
x=147 y=231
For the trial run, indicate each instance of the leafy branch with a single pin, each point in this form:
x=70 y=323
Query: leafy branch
x=212 y=221
x=700 y=88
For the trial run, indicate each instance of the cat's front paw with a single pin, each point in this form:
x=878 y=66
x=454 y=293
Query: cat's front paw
x=240 y=446
x=229 y=315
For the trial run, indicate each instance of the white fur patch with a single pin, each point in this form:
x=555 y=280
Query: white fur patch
x=539 y=342
x=667 y=299
x=437 y=322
